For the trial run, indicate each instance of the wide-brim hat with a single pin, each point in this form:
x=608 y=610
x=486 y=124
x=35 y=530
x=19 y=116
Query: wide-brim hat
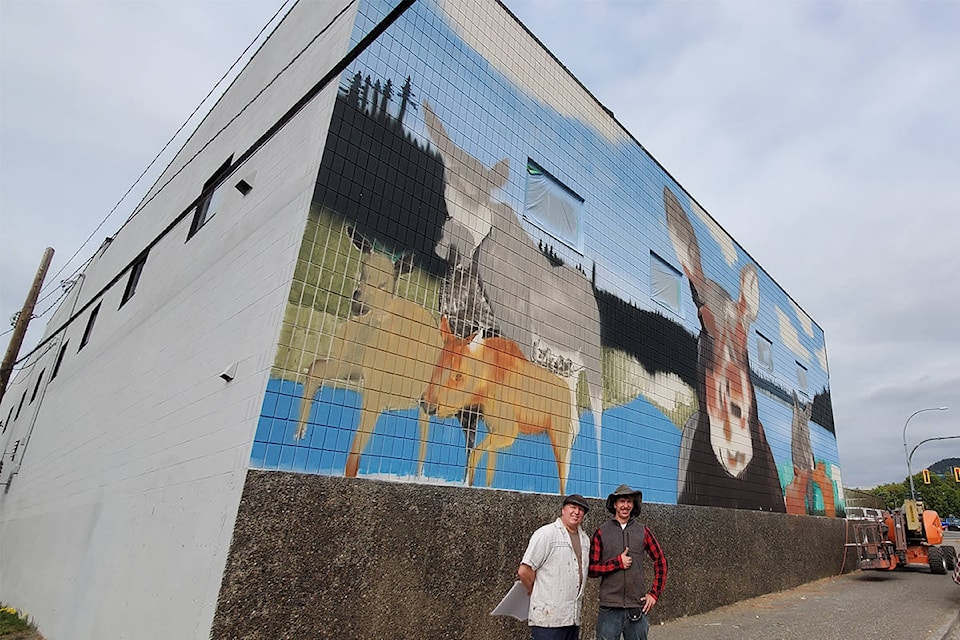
x=577 y=499
x=624 y=491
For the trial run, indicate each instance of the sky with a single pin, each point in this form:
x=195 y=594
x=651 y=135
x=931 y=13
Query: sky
x=824 y=136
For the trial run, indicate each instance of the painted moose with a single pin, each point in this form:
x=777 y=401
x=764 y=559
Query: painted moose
x=549 y=311
x=387 y=348
x=513 y=395
x=725 y=460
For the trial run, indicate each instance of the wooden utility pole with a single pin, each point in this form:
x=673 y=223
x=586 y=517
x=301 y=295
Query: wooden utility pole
x=26 y=314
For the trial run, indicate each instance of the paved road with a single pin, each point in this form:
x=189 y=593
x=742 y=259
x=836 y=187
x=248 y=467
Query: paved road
x=888 y=605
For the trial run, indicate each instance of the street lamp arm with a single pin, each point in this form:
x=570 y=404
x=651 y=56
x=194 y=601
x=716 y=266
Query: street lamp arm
x=928 y=440
x=910 y=455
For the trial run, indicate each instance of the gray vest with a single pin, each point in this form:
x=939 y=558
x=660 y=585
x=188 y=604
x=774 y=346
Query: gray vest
x=621 y=588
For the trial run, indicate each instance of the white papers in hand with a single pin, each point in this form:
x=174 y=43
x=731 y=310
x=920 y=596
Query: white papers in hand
x=515 y=604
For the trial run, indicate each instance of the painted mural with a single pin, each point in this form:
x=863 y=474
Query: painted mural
x=495 y=289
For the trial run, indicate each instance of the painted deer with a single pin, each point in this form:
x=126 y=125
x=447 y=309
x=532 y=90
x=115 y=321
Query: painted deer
x=725 y=460
x=549 y=311
x=514 y=396
x=388 y=347
x=807 y=472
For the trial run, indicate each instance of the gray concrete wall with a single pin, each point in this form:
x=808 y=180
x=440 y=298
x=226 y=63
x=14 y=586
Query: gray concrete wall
x=321 y=557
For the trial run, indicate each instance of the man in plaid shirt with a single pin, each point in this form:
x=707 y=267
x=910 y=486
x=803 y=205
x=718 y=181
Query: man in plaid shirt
x=624 y=600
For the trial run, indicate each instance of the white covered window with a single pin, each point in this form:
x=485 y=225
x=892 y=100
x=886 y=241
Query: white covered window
x=553 y=207
x=665 y=283
x=764 y=352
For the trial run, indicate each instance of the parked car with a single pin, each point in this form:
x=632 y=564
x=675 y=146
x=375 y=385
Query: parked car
x=952 y=524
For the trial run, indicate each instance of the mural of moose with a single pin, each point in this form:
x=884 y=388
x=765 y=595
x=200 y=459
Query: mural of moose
x=725 y=460
x=387 y=348
x=549 y=311
x=513 y=395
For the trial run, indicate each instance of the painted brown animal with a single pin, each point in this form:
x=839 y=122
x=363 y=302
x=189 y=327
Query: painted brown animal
x=388 y=348
x=807 y=472
x=513 y=395
x=725 y=460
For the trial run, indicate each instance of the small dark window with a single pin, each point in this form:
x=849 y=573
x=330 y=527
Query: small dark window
x=9 y=418
x=36 y=387
x=86 y=332
x=20 y=406
x=244 y=187
x=213 y=194
x=56 y=367
x=134 y=278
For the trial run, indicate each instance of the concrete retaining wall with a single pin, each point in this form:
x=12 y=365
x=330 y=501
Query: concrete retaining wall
x=318 y=556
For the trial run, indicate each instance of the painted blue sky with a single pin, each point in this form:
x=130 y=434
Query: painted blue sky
x=821 y=135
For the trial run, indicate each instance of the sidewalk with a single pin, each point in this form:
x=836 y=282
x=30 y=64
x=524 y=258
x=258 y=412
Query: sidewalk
x=889 y=605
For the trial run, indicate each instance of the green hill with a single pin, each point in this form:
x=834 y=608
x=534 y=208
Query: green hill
x=945 y=466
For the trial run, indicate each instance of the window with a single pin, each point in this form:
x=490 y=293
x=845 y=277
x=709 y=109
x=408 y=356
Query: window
x=801 y=377
x=665 y=282
x=36 y=387
x=764 y=352
x=56 y=366
x=89 y=329
x=134 y=278
x=552 y=206
x=20 y=406
x=208 y=206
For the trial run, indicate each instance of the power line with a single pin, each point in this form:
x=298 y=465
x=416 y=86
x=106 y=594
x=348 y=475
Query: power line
x=160 y=153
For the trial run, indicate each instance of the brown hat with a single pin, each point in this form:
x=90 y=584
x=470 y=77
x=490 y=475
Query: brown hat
x=623 y=491
x=577 y=499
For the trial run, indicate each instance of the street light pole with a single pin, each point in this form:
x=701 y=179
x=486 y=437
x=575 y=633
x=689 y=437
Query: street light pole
x=908 y=456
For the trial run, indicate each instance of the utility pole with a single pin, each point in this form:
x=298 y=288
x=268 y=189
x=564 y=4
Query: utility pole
x=26 y=314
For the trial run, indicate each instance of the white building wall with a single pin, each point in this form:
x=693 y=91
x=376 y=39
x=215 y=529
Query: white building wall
x=122 y=495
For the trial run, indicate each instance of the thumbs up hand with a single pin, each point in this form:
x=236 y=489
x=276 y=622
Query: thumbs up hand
x=625 y=558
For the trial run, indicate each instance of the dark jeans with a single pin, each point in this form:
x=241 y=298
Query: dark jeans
x=613 y=622
x=555 y=633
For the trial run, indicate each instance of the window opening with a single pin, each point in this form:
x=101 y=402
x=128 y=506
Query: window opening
x=764 y=352
x=89 y=328
x=801 y=377
x=209 y=205
x=552 y=206
x=56 y=366
x=20 y=406
x=36 y=387
x=135 y=271
x=665 y=282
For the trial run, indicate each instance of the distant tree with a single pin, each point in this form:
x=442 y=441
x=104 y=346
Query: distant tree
x=375 y=101
x=387 y=96
x=353 y=93
x=405 y=94
x=941 y=495
x=366 y=93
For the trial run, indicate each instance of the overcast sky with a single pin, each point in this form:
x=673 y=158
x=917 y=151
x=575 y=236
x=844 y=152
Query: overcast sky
x=824 y=136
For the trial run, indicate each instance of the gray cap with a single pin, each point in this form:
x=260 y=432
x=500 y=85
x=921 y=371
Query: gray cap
x=624 y=491
x=577 y=499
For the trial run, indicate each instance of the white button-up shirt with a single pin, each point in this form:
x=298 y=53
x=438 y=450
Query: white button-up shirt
x=557 y=596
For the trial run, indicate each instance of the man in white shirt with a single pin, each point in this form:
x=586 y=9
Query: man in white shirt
x=554 y=571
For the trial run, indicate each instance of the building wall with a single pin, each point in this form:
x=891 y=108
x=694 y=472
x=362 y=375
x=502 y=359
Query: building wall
x=123 y=474
x=638 y=341
x=488 y=281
